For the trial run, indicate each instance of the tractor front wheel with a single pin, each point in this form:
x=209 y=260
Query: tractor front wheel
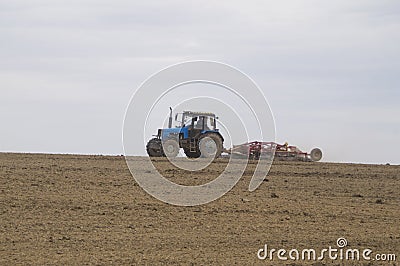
x=171 y=148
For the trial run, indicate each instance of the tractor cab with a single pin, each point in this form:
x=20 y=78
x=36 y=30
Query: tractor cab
x=192 y=124
x=201 y=120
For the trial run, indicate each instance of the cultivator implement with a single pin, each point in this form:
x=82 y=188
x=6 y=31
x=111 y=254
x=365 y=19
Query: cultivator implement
x=284 y=152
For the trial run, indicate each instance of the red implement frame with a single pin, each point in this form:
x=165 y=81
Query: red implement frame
x=255 y=149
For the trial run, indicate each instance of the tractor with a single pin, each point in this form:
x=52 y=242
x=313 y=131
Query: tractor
x=196 y=133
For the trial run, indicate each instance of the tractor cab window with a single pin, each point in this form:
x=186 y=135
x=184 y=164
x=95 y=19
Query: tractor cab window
x=204 y=122
x=213 y=122
x=178 y=119
x=187 y=121
x=199 y=123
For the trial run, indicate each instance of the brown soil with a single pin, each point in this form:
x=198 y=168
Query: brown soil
x=70 y=209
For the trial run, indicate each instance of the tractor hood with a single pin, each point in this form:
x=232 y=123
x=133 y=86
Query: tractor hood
x=170 y=132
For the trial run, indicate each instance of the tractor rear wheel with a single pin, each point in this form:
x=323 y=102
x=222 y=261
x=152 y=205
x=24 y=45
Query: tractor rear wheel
x=171 y=148
x=154 y=148
x=210 y=145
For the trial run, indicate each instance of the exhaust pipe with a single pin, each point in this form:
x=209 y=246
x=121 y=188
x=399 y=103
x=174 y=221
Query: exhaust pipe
x=170 y=118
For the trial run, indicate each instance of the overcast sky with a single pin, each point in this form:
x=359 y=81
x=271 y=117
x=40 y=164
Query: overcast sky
x=330 y=69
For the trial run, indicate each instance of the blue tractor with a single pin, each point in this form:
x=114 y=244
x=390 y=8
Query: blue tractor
x=196 y=133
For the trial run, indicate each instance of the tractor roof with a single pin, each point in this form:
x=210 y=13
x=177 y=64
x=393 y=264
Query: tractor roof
x=198 y=113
